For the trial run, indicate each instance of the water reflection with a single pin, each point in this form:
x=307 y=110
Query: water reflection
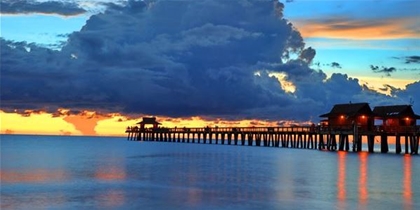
x=32 y=176
x=343 y=195
x=111 y=172
x=407 y=191
x=363 y=179
x=111 y=198
x=341 y=180
x=193 y=178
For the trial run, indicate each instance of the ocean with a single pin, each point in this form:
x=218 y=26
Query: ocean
x=68 y=172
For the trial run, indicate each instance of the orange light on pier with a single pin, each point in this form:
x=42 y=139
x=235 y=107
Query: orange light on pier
x=342 y=117
x=363 y=116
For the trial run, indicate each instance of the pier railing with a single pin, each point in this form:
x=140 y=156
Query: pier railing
x=295 y=129
x=225 y=129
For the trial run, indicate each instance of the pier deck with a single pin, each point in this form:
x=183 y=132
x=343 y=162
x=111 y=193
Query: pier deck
x=305 y=137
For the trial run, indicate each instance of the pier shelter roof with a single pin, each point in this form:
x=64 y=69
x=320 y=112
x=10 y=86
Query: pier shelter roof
x=149 y=121
x=397 y=111
x=350 y=110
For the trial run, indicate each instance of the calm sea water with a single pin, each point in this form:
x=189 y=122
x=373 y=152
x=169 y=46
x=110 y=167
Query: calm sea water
x=56 y=172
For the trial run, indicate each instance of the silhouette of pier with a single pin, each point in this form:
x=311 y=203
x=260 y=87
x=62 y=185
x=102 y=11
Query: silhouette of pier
x=302 y=137
x=345 y=124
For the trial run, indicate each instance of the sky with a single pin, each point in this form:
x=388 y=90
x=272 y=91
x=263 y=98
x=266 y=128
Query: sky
x=78 y=67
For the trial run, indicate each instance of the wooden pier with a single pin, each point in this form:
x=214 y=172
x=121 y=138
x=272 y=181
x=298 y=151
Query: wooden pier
x=302 y=137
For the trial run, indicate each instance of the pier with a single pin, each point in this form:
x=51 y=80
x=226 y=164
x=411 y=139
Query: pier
x=344 y=129
x=301 y=137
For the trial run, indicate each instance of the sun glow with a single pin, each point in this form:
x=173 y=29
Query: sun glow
x=35 y=123
x=91 y=123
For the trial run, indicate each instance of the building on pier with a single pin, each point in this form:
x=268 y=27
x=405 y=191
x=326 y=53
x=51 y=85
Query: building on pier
x=346 y=116
x=395 y=117
x=148 y=121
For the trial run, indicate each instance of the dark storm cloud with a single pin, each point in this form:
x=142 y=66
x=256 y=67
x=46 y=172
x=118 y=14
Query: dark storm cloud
x=48 y=7
x=178 y=58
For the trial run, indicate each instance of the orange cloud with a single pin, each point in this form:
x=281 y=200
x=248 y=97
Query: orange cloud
x=8 y=131
x=341 y=28
x=85 y=122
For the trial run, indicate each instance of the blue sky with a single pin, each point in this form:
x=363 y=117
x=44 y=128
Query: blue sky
x=389 y=30
x=369 y=46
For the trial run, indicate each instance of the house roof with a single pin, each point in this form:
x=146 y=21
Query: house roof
x=148 y=120
x=394 y=111
x=350 y=110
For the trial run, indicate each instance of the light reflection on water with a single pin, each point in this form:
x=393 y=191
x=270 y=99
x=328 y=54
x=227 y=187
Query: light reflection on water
x=363 y=179
x=86 y=172
x=407 y=183
x=341 y=180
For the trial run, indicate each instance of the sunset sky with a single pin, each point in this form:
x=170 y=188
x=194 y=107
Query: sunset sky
x=79 y=67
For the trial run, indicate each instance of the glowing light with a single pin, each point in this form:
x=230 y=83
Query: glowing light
x=286 y=85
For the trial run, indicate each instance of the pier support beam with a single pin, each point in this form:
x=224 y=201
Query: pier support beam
x=384 y=143
x=398 y=144
x=371 y=143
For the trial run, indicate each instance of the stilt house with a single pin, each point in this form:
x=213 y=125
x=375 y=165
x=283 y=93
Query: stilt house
x=395 y=117
x=345 y=116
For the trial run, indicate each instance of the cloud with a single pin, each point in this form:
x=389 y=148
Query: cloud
x=45 y=7
x=348 y=20
x=178 y=59
x=411 y=94
x=335 y=65
x=413 y=59
x=8 y=131
x=386 y=70
x=359 y=29
x=389 y=88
